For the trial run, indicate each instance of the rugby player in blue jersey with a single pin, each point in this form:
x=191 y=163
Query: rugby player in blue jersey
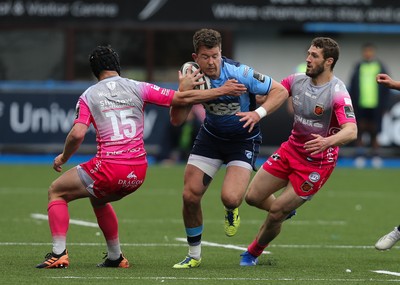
x=224 y=138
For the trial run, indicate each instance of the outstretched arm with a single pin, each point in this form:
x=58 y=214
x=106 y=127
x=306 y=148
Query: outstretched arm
x=387 y=81
x=195 y=96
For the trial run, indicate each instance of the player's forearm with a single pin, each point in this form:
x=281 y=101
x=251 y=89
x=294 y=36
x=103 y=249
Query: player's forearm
x=196 y=96
x=346 y=135
x=275 y=99
x=72 y=144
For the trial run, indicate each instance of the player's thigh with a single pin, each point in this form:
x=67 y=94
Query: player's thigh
x=196 y=182
x=263 y=185
x=68 y=187
x=235 y=182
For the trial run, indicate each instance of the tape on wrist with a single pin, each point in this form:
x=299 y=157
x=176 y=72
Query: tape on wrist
x=261 y=112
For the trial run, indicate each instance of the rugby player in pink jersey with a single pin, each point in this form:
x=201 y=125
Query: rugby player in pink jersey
x=323 y=120
x=115 y=107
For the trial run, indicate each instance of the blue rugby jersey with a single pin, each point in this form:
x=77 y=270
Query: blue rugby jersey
x=221 y=120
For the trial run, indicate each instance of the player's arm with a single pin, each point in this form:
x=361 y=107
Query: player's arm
x=347 y=133
x=275 y=98
x=195 y=96
x=387 y=81
x=72 y=143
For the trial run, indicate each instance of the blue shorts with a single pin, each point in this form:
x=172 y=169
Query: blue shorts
x=209 y=146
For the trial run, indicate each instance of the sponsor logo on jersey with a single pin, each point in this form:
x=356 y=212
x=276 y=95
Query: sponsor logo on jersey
x=318 y=110
x=222 y=109
x=349 y=112
x=258 y=76
x=77 y=109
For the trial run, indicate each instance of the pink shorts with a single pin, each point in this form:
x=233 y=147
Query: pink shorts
x=306 y=177
x=102 y=178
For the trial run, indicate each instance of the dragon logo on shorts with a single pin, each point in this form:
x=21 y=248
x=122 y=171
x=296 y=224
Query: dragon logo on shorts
x=131 y=175
x=314 y=176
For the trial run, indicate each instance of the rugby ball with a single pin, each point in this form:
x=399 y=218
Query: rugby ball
x=194 y=66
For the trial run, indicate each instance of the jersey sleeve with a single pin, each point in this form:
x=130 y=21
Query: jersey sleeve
x=287 y=83
x=256 y=82
x=343 y=108
x=157 y=95
x=82 y=112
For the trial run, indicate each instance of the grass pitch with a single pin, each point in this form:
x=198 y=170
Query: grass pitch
x=330 y=236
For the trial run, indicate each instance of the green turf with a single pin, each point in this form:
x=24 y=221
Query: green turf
x=334 y=232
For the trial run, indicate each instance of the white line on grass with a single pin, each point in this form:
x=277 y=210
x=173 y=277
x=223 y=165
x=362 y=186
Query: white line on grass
x=163 y=278
x=386 y=272
x=214 y=244
x=71 y=221
x=179 y=221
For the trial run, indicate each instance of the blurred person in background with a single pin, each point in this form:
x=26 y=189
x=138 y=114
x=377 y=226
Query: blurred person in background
x=389 y=240
x=115 y=106
x=369 y=100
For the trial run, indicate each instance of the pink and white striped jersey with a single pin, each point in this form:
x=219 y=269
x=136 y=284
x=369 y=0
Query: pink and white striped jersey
x=317 y=110
x=115 y=107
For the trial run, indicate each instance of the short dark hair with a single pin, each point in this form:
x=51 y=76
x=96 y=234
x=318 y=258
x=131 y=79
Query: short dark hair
x=104 y=58
x=330 y=48
x=208 y=38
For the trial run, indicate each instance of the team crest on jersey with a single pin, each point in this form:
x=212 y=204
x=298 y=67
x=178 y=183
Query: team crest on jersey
x=306 y=186
x=111 y=85
x=318 y=110
x=349 y=112
x=248 y=154
x=258 y=76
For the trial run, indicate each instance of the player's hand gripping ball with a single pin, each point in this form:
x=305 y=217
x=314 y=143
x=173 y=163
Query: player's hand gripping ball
x=194 y=66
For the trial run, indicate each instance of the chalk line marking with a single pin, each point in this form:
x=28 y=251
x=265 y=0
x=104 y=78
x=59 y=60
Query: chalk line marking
x=71 y=221
x=386 y=272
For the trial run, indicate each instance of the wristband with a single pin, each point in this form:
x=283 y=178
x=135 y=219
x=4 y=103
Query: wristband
x=261 y=112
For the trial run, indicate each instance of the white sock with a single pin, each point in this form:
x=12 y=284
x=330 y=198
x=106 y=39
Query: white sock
x=59 y=244
x=113 y=249
x=195 y=251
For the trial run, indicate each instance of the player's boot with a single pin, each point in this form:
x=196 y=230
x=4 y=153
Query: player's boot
x=120 y=262
x=388 y=241
x=55 y=260
x=188 y=262
x=232 y=222
x=248 y=259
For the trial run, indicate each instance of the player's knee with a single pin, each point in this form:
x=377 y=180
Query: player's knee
x=231 y=202
x=191 y=198
x=277 y=214
x=252 y=200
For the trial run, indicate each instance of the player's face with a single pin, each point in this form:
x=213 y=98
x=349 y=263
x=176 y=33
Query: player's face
x=209 y=61
x=315 y=62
